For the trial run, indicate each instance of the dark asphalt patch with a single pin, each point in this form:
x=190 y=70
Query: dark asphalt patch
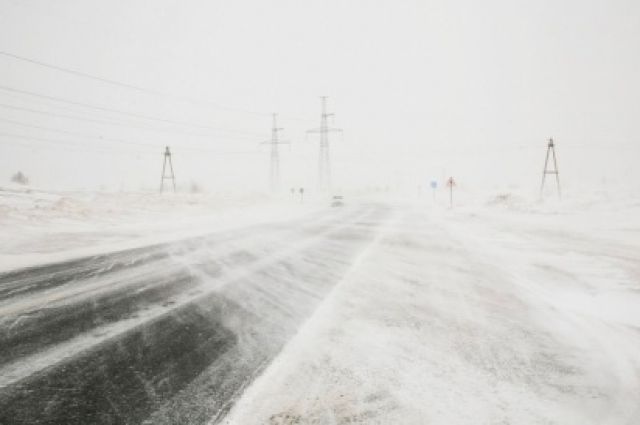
x=123 y=380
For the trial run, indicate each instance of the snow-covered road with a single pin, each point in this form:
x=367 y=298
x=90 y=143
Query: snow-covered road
x=469 y=318
x=169 y=333
x=378 y=312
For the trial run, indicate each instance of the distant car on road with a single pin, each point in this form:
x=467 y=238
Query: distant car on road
x=337 y=201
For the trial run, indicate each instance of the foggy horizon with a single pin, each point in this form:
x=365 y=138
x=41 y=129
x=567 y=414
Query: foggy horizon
x=422 y=90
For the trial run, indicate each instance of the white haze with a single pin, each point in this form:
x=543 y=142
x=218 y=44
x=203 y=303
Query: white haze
x=422 y=89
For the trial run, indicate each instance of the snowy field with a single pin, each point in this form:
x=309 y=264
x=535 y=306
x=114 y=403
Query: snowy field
x=509 y=312
x=43 y=226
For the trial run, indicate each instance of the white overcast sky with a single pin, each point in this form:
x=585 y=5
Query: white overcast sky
x=422 y=89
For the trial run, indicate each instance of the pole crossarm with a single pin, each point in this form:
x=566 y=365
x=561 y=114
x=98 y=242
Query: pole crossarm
x=326 y=130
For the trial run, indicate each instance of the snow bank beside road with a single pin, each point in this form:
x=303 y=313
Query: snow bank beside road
x=42 y=226
x=477 y=315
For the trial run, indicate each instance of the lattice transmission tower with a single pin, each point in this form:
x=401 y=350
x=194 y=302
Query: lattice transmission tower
x=165 y=170
x=324 y=161
x=274 y=168
x=551 y=151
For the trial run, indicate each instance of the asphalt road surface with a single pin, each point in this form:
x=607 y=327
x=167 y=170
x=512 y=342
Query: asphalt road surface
x=169 y=333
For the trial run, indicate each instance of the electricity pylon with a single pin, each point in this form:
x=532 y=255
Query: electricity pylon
x=550 y=150
x=167 y=159
x=274 y=171
x=324 y=164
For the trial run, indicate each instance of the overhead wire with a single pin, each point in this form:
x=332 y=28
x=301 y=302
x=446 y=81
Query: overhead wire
x=119 y=124
x=182 y=98
x=86 y=147
x=117 y=111
x=88 y=136
x=49 y=142
x=130 y=86
x=128 y=147
x=73 y=133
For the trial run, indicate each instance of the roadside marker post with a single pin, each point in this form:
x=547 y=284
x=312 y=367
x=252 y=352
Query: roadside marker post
x=434 y=186
x=450 y=184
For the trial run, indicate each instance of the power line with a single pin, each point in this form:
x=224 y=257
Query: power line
x=117 y=111
x=85 y=147
x=88 y=136
x=129 y=86
x=115 y=123
x=73 y=133
x=59 y=142
x=182 y=98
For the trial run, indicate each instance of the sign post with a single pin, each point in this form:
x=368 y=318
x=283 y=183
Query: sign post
x=434 y=186
x=450 y=184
